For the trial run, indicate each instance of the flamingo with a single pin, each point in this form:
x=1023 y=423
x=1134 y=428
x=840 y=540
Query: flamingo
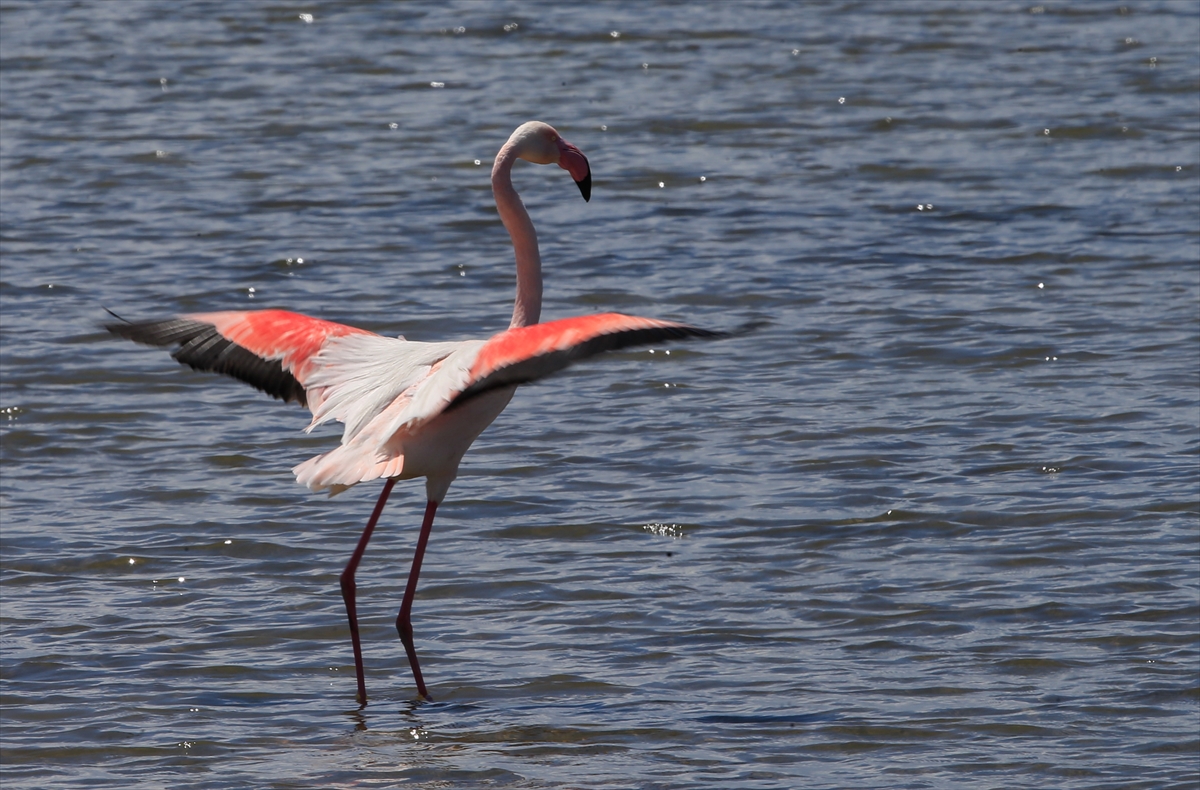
x=410 y=409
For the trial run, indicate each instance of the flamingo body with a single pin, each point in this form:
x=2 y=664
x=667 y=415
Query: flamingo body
x=410 y=409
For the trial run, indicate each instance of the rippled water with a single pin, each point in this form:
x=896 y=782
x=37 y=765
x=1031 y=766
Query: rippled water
x=935 y=524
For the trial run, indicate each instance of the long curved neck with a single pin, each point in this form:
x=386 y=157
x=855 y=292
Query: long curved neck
x=528 y=307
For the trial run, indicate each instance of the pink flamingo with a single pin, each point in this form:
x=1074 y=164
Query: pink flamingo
x=410 y=409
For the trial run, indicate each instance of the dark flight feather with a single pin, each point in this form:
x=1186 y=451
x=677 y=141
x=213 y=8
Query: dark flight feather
x=202 y=347
x=543 y=365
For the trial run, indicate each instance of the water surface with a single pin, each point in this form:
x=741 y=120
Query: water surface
x=934 y=524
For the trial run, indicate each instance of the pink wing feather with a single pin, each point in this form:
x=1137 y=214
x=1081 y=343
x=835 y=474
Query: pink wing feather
x=531 y=352
x=271 y=350
x=291 y=338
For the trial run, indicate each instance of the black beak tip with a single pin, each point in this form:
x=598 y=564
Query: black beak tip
x=585 y=186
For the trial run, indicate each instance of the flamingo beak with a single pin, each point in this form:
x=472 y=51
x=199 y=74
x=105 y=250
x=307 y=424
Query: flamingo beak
x=574 y=162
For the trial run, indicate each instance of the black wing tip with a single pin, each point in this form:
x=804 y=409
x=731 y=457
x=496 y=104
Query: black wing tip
x=201 y=347
x=687 y=331
x=119 y=318
x=157 y=331
x=123 y=327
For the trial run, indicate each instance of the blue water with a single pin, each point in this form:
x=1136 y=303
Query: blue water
x=934 y=524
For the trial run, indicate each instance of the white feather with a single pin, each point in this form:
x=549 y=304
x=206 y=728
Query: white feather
x=355 y=378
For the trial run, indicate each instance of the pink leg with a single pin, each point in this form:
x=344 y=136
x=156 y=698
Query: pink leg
x=404 y=619
x=348 y=588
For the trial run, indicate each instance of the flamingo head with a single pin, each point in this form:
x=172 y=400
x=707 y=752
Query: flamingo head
x=541 y=144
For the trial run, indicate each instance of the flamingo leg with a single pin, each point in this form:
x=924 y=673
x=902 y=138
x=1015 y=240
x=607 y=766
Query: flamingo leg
x=348 y=588
x=404 y=619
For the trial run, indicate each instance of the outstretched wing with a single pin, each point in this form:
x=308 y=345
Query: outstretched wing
x=526 y=353
x=271 y=350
